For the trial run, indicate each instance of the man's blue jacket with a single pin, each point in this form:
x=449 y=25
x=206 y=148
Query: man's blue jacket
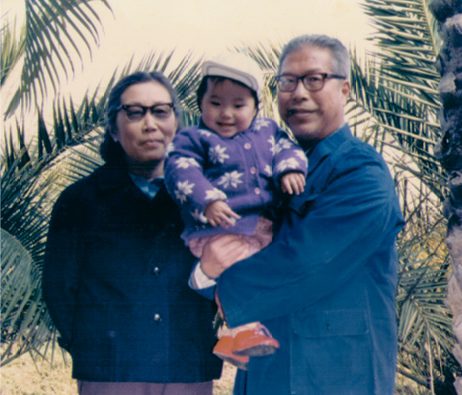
x=326 y=285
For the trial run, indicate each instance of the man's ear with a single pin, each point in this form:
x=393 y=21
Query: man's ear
x=346 y=88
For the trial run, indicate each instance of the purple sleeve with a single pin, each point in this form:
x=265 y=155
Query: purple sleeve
x=184 y=175
x=288 y=157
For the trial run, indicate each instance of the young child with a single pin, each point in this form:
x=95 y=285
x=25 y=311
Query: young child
x=227 y=171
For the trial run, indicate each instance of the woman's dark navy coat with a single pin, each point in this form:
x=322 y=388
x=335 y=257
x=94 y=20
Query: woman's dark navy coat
x=115 y=282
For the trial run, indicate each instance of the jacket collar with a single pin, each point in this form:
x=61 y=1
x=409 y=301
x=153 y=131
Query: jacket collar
x=328 y=145
x=112 y=177
x=116 y=178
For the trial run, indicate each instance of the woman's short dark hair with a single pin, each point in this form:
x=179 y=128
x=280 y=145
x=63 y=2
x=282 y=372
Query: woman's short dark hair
x=110 y=150
x=218 y=79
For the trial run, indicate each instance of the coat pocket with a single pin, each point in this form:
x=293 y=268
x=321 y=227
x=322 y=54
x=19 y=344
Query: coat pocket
x=332 y=353
x=331 y=323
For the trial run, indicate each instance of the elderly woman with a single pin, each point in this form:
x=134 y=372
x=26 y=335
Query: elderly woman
x=116 y=271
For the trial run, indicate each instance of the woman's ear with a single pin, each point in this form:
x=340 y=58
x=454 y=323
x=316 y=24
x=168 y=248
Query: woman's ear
x=114 y=136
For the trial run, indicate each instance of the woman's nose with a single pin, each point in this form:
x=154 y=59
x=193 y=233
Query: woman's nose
x=150 y=121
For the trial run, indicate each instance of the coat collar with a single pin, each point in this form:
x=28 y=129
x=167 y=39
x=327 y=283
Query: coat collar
x=328 y=145
x=116 y=178
x=112 y=177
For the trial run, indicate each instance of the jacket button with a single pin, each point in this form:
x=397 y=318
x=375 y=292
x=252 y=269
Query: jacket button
x=157 y=317
x=156 y=270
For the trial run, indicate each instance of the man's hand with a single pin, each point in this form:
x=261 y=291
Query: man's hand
x=293 y=183
x=221 y=253
x=218 y=213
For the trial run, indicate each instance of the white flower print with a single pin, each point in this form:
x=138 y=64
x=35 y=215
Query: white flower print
x=281 y=145
x=185 y=163
x=199 y=216
x=290 y=163
x=268 y=170
x=301 y=156
x=284 y=144
x=204 y=132
x=230 y=179
x=260 y=123
x=184 y=189
x=272 y=142
x=215 y=194
x=218 y=154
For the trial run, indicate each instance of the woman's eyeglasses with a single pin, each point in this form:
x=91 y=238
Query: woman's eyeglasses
x=136 y=112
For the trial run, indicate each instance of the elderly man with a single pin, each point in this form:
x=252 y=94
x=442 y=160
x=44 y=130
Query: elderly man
x=326 y=285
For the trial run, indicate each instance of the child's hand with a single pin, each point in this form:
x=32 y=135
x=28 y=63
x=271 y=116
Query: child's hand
x=293 y=183
x=218 y=213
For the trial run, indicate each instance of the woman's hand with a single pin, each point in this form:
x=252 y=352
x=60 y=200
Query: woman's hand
x=293 y=183
x=219 y=213
x=221 y=253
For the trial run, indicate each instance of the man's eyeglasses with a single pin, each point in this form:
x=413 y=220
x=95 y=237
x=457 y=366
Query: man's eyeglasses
x=136 y=112
x=312 y=82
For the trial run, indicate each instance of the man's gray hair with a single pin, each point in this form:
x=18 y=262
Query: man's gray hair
x=340 y=55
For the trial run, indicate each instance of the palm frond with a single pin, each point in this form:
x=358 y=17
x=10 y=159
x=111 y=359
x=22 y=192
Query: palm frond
x=407 y=124
x=12 y=49
x=406 y=35
x=54 y=32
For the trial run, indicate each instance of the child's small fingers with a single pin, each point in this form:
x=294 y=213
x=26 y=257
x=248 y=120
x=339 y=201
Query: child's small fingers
x=230 y=213
x=291 y=188
x=300 y=184
x=234 y=215
x=228 y=221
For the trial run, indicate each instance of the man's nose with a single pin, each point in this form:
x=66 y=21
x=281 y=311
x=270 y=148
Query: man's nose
x=300 y=90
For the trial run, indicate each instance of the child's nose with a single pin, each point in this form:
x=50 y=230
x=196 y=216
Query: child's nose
x=226 y=112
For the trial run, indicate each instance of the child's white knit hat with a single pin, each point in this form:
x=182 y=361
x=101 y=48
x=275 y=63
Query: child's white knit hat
x=237 y=67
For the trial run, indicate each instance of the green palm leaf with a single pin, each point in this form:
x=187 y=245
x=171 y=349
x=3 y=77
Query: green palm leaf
x=55 y=30
x=12 y=49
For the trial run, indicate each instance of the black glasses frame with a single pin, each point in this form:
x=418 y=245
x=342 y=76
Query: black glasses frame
x=143 y=110
x=306 y=81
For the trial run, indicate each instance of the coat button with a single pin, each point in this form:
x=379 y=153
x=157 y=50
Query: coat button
x=257 y=191
x=157 y=317
x=247 y=146
x=253 y=170
x=156 y=270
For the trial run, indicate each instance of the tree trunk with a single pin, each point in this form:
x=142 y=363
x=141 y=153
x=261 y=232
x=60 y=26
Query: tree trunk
x=448 y=13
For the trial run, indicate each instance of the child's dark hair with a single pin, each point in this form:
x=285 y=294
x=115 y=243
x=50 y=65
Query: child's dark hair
x=218 y=79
